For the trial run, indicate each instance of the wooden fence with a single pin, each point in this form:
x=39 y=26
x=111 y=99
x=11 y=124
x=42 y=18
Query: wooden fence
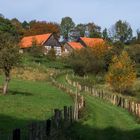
x=51 y=129
x=127 y=103
x=79 y=102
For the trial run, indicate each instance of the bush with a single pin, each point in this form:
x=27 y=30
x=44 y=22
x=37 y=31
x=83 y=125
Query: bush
x=51 y=55
x=121 y=75
x=84 y=61
x=134 y=52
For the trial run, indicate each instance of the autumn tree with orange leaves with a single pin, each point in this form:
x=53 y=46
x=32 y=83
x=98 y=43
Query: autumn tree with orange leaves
x=121 y=75
x=100 y=49
x=42 y=27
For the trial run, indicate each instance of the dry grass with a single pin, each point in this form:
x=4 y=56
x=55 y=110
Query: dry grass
x=31 y=74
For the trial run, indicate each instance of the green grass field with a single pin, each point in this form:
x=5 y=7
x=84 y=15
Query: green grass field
x=29 y=101
x=103 y=121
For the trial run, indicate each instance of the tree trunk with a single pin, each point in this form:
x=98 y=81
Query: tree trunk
x=5 y=86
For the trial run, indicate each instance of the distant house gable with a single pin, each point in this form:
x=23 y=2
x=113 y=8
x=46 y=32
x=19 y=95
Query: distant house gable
x=52 y=41
x=27 y=42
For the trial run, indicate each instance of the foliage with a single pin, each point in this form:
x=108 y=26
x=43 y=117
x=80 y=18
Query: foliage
x=9 y=56
x=105 y=34
x=84 y=61
x=7 y=27
x=51 y=55
x=25 y=25
x=81 y=28
x=17 y=24
x=35 y=50
x=100 y=49
x=122 y=31
x=94 y=30
x=66 y=25
x=121 y=75
x=42 y=27
x=134 y=52
x=74 y=34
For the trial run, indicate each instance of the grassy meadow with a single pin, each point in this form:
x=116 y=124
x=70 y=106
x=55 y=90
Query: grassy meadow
x=31 y=97
x=101 y=120
x=29 y=101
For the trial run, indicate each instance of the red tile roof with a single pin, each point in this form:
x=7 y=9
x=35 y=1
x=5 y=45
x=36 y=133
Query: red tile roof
x=26 y=42
x=91 y=42
x=75 y=45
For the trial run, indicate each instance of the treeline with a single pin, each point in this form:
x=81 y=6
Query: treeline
x=120 y=31
x=20 y=29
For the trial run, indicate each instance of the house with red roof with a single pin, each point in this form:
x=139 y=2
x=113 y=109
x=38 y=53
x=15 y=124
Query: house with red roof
x=82 y=42
x=90 y=42
x=70 y=46
x=46 y=41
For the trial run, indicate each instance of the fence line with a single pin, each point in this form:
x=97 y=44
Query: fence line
x=76 y=96
x=119 y=100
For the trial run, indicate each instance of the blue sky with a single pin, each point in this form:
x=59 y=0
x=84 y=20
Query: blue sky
x=102 y=12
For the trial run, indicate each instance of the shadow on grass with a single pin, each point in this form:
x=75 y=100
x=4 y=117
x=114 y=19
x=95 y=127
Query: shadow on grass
x=76 y=132
x=9 y=123
x=85 y=132
x=12 y=92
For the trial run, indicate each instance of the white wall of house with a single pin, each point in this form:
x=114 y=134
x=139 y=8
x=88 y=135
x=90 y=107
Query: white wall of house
x=56 y=48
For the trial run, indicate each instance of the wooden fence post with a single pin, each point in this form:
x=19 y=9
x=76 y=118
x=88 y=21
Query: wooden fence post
x=65 y=113
x=76 y=106
x=48 y=127
x=56 y=117
x=16 y=134
x=71 y=114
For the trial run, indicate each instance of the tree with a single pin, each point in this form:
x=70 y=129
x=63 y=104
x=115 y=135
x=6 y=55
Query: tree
x=42 y=27
x=25 y=25
x=105 y=34
x=67 y=25
x=134 y=52
x=94 y=30
x=74 y=35
x=83 y=62
x=18 y=25
x=100 y=49
x=9 y=56
x=121 y=31
x=7 y=27
x=81 y=28
x=138 y=37
x=121 y=74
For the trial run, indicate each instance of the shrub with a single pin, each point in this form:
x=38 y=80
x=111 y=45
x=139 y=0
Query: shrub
x=84 y=61
x=51 y=55
x=121 y=74
x=134 y=52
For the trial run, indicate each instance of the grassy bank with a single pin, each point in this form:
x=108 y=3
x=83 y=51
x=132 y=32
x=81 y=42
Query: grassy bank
x=103 y=121
x=29 y=101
